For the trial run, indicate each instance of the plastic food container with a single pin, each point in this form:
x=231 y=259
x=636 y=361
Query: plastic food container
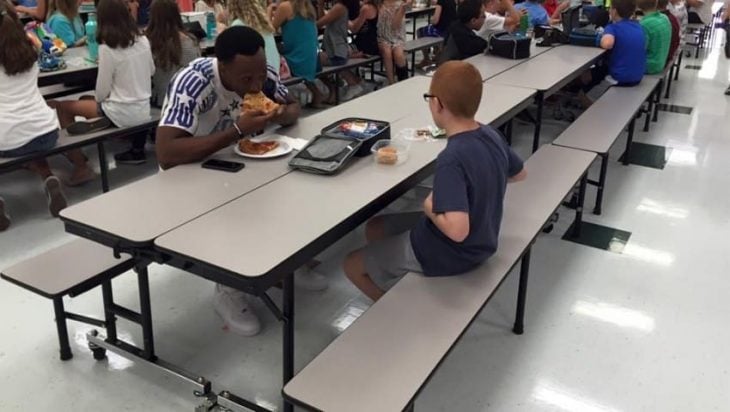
x=389 y=152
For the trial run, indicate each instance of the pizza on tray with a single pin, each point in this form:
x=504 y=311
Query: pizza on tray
x=257 y=148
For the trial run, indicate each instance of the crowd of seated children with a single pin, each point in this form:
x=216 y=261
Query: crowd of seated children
x=123 y=83
x=459 y=226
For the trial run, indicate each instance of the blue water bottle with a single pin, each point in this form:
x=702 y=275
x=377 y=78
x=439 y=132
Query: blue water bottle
x=210 y=24
x=91 y=43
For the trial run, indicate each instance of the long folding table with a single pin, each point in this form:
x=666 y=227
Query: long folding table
x=548 y=73
x=128 y=219
x=276 y=241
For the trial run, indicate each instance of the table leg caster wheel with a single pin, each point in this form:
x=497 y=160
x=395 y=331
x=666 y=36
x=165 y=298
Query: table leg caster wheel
x=99 y=353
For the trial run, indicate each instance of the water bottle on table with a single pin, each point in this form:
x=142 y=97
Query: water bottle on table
x=210 y=24
x=91 y=43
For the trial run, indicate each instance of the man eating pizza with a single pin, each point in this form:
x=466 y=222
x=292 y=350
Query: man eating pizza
x=211 y=104
x=221 y=100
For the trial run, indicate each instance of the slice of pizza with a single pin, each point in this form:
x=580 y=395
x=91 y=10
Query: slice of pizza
x=259 y=102
x=257 y=148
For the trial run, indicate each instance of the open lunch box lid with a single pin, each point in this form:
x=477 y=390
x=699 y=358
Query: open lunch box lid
x=331 y=151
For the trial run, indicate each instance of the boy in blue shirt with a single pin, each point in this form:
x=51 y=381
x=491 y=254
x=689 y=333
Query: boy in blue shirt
x=459 y=226
x=626 y=42
x=535 y=11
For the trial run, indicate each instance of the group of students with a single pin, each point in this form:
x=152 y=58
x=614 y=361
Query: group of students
x=134 y=69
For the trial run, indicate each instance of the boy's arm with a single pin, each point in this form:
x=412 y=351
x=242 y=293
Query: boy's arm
x=516 y=171
x=607 y=41
x=455 y=225
x=520 y=176
x=512 y=15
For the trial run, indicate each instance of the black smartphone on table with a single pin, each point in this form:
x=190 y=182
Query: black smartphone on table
x=224 y=165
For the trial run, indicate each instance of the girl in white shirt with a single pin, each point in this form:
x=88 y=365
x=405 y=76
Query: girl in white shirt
x=27 y=124
x=123 y=82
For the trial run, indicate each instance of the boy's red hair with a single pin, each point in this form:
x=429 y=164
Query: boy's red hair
x=458 y=86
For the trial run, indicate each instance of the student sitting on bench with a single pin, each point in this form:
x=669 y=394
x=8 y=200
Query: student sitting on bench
x=658 y=32
x=459 y=226
x=462 y=42
x=625 y=40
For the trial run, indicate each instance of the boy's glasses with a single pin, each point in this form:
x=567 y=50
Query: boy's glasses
x=427 y=96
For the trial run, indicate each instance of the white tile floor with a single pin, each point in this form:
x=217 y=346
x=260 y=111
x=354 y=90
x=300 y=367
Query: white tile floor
x=640 y=331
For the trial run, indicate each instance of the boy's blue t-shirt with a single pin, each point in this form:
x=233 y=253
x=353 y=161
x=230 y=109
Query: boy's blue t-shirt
x=536 y=14
x=471 y=176
x=627 y=62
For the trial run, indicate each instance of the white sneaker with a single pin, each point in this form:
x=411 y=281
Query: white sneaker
x=232 y=306
x=353 y=91
x=309 y=279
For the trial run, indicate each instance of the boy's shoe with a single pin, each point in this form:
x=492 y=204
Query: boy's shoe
x=727 y=91
x=4 y=218
x=89 y=126
x=54 y=195
x=232 y=306
x=131 y=157
x=353 y=92
x=309 y=279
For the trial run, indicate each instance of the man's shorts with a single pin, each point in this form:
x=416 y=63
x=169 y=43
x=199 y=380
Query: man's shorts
x=389 y=259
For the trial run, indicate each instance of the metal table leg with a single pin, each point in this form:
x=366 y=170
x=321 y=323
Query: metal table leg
x=519 y=327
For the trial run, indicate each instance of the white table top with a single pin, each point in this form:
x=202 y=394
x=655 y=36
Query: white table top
x=146 y=209
x=390 y=351
x=490 y=65
x=549 y=69
x=76 y=60
x=255 y=233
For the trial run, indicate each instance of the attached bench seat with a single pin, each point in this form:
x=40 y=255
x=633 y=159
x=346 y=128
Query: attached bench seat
x=67 y=142
x=383 y=359
x=412 y=46
x=68 y=270
x=598 y=128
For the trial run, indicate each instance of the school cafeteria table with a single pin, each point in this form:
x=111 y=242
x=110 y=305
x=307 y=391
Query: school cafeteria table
x=78 y=68
x=414 y=14
x=548 y=73
x=490 y=65
x=259 y=242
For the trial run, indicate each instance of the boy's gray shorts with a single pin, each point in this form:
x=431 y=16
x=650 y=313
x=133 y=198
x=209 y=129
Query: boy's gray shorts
x=389 y=259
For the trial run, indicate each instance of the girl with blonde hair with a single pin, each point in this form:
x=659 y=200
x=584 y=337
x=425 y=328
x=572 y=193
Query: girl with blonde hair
x=252 y=13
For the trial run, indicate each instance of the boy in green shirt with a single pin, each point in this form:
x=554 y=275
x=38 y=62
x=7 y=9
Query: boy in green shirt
x=658 y=32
